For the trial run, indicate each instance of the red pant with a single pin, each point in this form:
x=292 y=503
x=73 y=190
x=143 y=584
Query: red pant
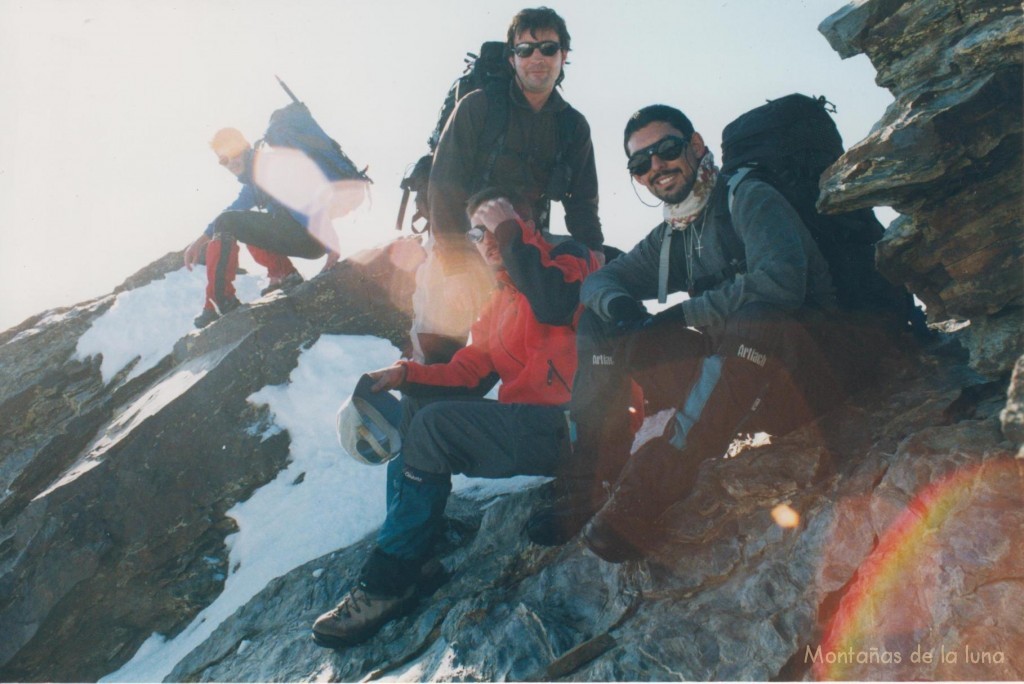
x=222 y=265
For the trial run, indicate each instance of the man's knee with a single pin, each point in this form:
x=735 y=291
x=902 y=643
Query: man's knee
x=226 y=226
x=591 y=328
x=598 y=345
x=764 y=335
x=428 y=439
x=767 y=345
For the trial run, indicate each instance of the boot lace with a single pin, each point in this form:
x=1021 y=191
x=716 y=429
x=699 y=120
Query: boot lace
x=352 y=604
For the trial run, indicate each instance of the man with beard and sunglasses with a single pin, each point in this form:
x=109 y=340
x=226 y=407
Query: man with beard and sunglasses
x=542 y=151
x=526 y=336
x=741 y=354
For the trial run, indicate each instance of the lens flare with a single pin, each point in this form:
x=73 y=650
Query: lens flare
x=294 y=180
x=785 y=517
x=893 y=587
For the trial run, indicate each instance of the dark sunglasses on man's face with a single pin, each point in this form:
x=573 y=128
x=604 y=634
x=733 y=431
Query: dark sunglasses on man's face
x=548 y=48
x=668 y=148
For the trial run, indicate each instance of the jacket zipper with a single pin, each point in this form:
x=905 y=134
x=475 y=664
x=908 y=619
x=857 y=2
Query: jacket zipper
x=553 y=373
x=512 y=312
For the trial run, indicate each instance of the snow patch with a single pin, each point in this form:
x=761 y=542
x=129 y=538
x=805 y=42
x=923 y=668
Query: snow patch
x=146 y=322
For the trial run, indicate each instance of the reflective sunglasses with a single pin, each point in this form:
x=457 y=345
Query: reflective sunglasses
x=668 y=148
x=476 y=234
x=548 y=48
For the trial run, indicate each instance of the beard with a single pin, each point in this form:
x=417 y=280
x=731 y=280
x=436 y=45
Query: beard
x=676 y=195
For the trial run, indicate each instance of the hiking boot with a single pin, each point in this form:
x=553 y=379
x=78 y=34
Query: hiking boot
x=431 y=578
x=556 y=524
x=582 y=489
x=574 y=503
x=360 y=615
x=625 y=527
x=209 y=315
x=605 y=540
x=204 y=319
x=286 y=283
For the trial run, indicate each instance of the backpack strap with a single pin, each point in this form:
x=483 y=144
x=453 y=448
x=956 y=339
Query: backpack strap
x=734 y=182
x=727 y=233
x=566 y=132
x=492 y=138
x=666 y=247
x=560 y=176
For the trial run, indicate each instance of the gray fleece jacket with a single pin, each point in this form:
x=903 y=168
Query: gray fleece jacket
x=777 y=259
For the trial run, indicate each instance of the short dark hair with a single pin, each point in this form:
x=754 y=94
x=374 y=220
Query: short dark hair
x=517 y=200
x=531 y=20
x=658 y=112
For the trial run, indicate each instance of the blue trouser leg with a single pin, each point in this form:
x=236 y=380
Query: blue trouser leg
x=411 y=494
x=416 y=501
x=415 y=513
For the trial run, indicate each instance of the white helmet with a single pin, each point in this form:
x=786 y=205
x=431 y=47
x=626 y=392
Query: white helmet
x=367 y=424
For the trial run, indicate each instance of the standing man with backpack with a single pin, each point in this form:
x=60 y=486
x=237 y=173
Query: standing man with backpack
x=747 y=351
x=272 y=233
x=519 y=134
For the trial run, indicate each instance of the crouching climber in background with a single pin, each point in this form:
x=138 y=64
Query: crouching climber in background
x=526 y=336
x=272 y=233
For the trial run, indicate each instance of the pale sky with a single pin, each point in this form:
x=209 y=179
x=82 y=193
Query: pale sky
x=108 y=106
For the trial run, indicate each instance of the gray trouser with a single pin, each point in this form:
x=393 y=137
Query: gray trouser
x=481 y=437
x=441 y=436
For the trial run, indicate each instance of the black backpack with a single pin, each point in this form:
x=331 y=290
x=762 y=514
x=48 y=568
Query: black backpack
x=489 y=71
x=788 y=143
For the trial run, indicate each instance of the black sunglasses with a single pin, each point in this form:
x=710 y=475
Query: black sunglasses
x=668 y=148
x=548 y=48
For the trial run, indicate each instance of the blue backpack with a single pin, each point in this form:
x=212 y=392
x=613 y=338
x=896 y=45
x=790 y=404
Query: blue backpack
x=293 y=126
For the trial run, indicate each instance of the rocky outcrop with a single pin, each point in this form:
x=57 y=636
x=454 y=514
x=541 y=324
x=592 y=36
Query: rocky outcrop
x=112 y=521
x=916 y=470
x=947 y=155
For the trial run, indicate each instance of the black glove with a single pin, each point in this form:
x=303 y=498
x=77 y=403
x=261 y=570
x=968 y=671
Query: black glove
x=673 y=314
x=627 y=313
x=611 y=253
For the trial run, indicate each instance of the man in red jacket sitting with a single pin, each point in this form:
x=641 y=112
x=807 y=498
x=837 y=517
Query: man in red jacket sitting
x=526 y=336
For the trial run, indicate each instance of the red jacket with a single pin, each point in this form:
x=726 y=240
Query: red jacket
x=527 y=331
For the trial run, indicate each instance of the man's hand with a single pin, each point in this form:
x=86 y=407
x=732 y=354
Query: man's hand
x=493 y=213
x=388 y=378
x=194 y=251
x=627 y=313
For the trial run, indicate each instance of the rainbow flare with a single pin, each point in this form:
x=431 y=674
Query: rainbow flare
x=904 y=545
